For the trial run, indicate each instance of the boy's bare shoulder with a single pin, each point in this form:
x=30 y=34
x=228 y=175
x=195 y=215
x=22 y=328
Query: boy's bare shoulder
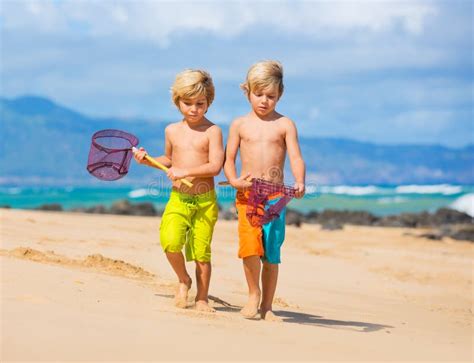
x=213 y=129
x=239 y=121
x=286 y=122
x=173 y=127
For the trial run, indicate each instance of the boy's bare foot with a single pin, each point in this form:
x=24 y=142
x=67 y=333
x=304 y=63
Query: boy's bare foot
x=181 y=297
x=251 y=308
x=270 y=316
x=203 y=305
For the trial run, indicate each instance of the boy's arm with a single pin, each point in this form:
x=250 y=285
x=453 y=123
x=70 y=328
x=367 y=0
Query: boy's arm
x=232 y=147
x=296 y=160
x=211 y=168
x=165 y=159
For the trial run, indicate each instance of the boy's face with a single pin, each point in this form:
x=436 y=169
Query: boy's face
x=193 y=109
x=264 y=101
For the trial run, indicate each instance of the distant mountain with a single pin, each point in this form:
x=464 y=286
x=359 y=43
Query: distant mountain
x=353 y=162
x=43 y=142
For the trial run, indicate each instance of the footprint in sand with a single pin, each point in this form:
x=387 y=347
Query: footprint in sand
x=284 y=304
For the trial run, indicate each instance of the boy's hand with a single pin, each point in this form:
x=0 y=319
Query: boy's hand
x=139 y=155
x=176 y=173
x=245 y=181
x=300 y=190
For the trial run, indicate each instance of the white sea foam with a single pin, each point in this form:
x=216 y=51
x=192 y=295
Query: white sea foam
x=310 y=189
x=350 y=190
x=464 y=204
x=138 y=193
x=445 y=189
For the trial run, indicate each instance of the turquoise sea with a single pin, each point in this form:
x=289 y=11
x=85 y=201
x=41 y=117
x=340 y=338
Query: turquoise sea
x=379 y=200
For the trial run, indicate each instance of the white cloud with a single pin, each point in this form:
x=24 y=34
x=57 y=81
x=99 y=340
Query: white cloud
x=391 y=70
x=158 y=20
x=386 y=54
x=433 y=120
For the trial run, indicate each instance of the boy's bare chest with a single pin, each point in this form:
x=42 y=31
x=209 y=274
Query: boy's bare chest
x=262 y=134
x=190 y=141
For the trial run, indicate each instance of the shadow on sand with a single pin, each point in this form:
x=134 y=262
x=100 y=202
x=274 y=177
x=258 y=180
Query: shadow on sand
x=315 y=320
x=226 y=307
x=301 y=318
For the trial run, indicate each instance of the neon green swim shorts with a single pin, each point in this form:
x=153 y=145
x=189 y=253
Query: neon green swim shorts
x=188 y=220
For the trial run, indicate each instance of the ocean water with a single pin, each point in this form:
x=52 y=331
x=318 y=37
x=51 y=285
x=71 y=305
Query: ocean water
x=379 y=200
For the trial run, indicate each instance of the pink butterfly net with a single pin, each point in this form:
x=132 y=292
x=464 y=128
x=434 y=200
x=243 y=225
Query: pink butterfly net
x=258 y=213
x=110 y=154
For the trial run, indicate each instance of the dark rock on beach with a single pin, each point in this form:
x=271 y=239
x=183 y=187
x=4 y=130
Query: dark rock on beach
x=445 y=222
x=435 y=236
x=333 y=217
x=441 y=217
x=402 y=220
x=55 y=207
x=124 y=207
x=98 y=209
x=144 y=209
x=121 y=207
x=449 y=216
x=294 y=218
x=312 y=217
x=228 y=214
x=464 y=232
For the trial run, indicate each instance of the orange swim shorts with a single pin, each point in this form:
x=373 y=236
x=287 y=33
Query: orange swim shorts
x=264 y=241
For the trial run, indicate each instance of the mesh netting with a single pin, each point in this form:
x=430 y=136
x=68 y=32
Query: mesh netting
x=110 y=154
x=258 y=212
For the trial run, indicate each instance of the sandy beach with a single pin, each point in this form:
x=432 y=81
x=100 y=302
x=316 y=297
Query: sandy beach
x=78 y=287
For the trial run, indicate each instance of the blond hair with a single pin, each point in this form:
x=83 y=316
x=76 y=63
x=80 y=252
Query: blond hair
x=192 y=83
x=263 y=75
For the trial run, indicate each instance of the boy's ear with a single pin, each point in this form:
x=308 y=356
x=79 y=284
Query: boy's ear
x=247 y=93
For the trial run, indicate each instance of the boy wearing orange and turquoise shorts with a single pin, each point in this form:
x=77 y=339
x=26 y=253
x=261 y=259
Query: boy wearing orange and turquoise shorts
x=264 y=241
x=263 y=137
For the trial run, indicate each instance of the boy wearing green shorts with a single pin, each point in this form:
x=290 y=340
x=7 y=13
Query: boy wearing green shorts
x=193 y=150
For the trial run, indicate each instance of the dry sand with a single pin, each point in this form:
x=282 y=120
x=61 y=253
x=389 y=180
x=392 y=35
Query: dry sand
x=79 y=287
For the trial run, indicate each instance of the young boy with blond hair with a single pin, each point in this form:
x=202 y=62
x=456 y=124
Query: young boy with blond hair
x=193 y=150
x=264 y=137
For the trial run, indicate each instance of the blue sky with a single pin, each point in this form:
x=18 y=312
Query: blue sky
x=380 y=71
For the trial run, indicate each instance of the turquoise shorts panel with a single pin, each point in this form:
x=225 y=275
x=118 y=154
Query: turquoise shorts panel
x=273 y=235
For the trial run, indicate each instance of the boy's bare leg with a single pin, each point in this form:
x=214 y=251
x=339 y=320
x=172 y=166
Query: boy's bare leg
x=203 y=278
x=252 y=267
x=269 y=283
x=176 y=259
